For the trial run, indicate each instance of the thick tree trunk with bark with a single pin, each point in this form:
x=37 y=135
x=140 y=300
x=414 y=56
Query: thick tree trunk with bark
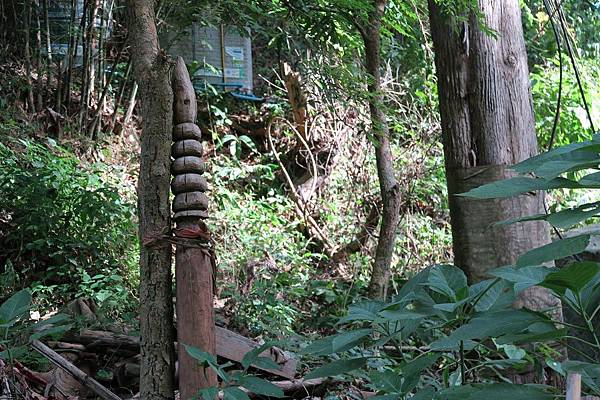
x=487 y=125
x=390 y=193
x=152 y=69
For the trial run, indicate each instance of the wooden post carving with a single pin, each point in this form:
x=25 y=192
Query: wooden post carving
x=194 y=263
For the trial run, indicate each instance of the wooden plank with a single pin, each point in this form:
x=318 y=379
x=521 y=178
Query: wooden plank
x=232 y=346
x=78 y=374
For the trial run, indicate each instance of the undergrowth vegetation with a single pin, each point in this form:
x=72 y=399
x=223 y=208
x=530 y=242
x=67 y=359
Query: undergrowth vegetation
x=66 y=231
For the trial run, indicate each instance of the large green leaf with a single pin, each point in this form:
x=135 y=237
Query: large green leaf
x=362 y=311
x=496 y=391
x=337 y=367
x=413 y=287
x=319 y=347
x=388 y=381
x=518 y=185
x=447 y=280
x=347 y=340
x=340 y=342
x=574 y=276
x=234 y=393
x=401 y=315
x=261 y=386
x=524 y=277
x=491 y=294
x=16 y=305
x=210 y=393
x=491 y=324
x=413 y=370
x=554 y=251
x=562 y=219
x=573 y=157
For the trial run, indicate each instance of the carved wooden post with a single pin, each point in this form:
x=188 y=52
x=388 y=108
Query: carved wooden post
x=193 y=263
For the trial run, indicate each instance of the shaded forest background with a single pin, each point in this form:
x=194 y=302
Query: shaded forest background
x=293 y=251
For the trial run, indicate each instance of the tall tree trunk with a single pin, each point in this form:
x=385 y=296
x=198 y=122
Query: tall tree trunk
x=152 y=69
x=487 y=125
x=388 y=185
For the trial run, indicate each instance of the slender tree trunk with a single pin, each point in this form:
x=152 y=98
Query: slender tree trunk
x=72 y=52
x=39 y=98
x=152 y=68
x=28 y=65
x=390 y=193
x=487 y=125
x=48 y=46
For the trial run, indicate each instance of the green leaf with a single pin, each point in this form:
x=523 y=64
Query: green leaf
x=549 y=333
x=401 y=315
x=427 y=393
x=17 y=305
x=261 y=386
x=346 y=340
x=210 y=393
x=496 y=391
x=492 y=324
x=561 y=219
x=207 y=360
x=413 y=370
x=554 y=251
x=447 y=280
x=495 y=294
x=513 y=352
x=524 y=277
x=574 y=276
x=516 y=186
x=388 y=381
x=362 y=311
x=337 y=368
x=14 y=352
x=234 y=393
x=413 y=287
x=54 y=331
x=252 y=357
x=319 y=347
x=573 y=157
x=200 y=355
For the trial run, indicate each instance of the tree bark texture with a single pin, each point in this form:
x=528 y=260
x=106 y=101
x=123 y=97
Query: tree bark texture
x=193 y=261
x=152 y=69
x=388 y=184
x=487 y=125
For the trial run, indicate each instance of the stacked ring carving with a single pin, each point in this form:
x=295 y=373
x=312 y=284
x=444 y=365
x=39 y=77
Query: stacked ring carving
x=188 y=184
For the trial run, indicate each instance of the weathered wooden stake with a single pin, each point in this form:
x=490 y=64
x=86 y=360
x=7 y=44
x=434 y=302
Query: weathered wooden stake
x=573 y=386
x=193 y=261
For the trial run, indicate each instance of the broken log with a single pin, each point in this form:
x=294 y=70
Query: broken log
x=230 y=345
x=78 y=374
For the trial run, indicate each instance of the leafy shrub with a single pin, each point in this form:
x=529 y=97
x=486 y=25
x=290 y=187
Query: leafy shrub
x=65 y=230
x=440 y=338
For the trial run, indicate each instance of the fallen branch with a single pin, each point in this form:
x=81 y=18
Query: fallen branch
x=78 y=374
